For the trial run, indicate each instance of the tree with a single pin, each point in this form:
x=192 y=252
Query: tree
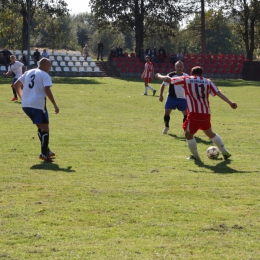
x=51 y=7
x=246 y=18
x=146 y=17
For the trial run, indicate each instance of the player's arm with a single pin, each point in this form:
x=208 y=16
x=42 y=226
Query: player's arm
x=18 y=85
x=161 y=92
x=226 y=99
x=23 y=69
x=7 y=73
x=163 y=78
x=51 y=98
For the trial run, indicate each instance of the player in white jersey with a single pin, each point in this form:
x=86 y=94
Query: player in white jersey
x=33 y=87
x=197 y=90
x=16 y=68
x=175 y=98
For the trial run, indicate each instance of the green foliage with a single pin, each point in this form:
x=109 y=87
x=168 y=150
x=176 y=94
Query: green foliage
x=118 y=188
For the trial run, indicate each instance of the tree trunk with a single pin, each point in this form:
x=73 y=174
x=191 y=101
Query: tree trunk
x=139 y=25
x=252 y=40
x=203 y=37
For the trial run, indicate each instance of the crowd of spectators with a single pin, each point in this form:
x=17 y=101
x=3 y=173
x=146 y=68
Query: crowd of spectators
x=115 y=52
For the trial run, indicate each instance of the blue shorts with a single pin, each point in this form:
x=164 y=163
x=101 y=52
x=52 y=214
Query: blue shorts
x=173 y=103
x=14 y=80
x=37 y=115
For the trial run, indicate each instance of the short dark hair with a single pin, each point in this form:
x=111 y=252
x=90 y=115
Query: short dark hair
x=197 y=70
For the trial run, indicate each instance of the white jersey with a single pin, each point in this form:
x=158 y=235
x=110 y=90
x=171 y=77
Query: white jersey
x=175 y=91
x=16 y=68
x=34 y=81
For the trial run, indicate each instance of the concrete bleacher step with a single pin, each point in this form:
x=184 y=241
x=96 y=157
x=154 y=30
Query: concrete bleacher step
x=107 y=69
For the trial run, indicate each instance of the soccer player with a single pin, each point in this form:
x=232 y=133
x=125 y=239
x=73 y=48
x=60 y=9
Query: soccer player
x=175 y=98
x=197 y=90
x=148 y=75
x=16 y=68
x=33 y=87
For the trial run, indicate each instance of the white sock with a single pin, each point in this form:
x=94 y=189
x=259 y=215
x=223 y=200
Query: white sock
x=146 y=90
x=150 y=87
x=192 y=145
x=218 y=142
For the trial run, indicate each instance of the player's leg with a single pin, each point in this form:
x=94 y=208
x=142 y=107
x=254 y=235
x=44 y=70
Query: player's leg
x=146 y=86
x=14 y=91
x=216 y=139
x=190 y=127
x=49 y=152
x=166 y=118
x=150 y=87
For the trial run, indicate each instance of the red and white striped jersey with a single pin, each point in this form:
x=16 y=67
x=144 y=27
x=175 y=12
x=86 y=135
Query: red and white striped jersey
x=197 y=90
x=148 y=70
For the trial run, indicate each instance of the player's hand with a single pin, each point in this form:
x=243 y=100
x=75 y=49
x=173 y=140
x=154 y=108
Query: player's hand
x=233 y=105
x=157 y=75
x=161 y=98
x=57 y=110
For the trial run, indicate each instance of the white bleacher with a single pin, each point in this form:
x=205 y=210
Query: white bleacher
x=77 y=63
x=70 y=53
x=56 y=53
x=89 y=59
x=58 y=69
x=51 y=69
x=81 y=69
x=18 y=52
x=63 y=53
x=81 y=59
x=70 y=63
x=51 y=58
x=32 y=62
x=67 y=58
x=74 y=58
x=89 y=69
x=2 y=68
x=62 y=63
x=25 y=52
x=74 y=69
x=92 y=64
x=77 y=53
x=96 y=69
x=59 y=58
x=85 y=64
x=66 y=69
x=55 y=63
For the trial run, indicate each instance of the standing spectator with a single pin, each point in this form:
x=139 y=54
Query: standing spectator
x=119 y=51
x=85 y=52
x=36 y=56
x=112 y=54
x=175 y=98
x=148 y=75
x=45 y=54
x=148 y=51
x=23 y=59
x=33 y=87
x=197 y=90
x=100 y=50
x=163 y=51
x=141 y=54
x=155 y=51
x=173 y=58
x=16 y=68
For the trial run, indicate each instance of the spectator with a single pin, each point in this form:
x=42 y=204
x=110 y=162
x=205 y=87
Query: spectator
x=119 y=51
x=2 y=61
x=148 y=51
x=163 y=50
x=173 y=58
x=155 y=51
x=45 y=54
x=112 y=54
x=160 y=58
x=85 y=52
x=141 y=54
x=180 y=56
x=36 y=56
x=100 y=50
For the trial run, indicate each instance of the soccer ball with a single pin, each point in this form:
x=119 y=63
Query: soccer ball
x=212 y=152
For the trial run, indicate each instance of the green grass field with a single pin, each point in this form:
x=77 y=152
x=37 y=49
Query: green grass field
x=119 y=188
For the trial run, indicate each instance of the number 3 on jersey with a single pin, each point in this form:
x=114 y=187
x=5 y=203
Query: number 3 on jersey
x=31 y=85
x=200 y=89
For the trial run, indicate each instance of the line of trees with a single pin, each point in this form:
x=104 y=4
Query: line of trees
x=227 y=26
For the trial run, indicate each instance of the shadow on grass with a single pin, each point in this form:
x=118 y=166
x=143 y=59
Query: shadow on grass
x=51 y=167
x=75 y=80
x=220 y=168
x=198 y=139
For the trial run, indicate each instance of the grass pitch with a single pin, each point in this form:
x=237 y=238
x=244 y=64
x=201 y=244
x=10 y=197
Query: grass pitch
x=119 y=189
